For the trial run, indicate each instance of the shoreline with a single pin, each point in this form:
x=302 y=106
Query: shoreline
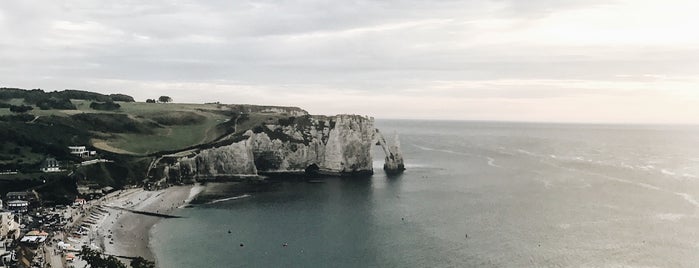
x=128 y=234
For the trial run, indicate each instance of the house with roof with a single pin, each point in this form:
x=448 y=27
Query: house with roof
x=18 y=206
x=80 y=151
x=50 y=164
x=25 y=196
x=79 y=202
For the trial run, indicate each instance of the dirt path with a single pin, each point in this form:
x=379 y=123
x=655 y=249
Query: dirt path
x=102 y=145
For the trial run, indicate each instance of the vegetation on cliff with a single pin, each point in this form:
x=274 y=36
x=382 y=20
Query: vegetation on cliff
x=35 y=125
x=127 y=142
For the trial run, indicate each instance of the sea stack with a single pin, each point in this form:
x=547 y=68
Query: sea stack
x=394 y=157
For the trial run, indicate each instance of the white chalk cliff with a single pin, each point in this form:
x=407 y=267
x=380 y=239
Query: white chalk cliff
x=332 y=145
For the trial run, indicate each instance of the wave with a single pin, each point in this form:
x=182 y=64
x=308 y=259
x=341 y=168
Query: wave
x=647 y=167
x=414 y=165
x=667 y=172
x=424 y=148
x=687 y=197
x=670 y=216
x=442 y=150
x=650 y=166
x=491 y=162
x=527 y=152
x=547 y=184
x=228 y=199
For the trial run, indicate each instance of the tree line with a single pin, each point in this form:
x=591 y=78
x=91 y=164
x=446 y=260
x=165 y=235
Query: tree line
x=161 y=99
x=96 y=260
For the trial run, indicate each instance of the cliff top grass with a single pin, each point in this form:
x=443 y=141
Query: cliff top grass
x=133 y=128
x=154 y=126
x=35 y=124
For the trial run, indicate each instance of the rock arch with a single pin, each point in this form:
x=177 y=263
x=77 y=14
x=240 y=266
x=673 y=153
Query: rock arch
x=394 y=157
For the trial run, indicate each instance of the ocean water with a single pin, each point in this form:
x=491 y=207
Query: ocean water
x=475 y=194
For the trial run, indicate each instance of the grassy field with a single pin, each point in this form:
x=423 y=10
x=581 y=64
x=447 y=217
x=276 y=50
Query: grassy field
x=170 y=138
x=152 y=127
x=167 y=137
x=174 y=125
x=129 y=135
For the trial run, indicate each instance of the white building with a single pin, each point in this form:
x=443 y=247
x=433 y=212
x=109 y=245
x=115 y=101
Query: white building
x=79 y=151
x=79 y=202
x=8 y=227
x=50 y=164
x=20 y=206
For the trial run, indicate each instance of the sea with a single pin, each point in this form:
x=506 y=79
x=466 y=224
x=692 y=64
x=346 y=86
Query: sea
x=475 y=194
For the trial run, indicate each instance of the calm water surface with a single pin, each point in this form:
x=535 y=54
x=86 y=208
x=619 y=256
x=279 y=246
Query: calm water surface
x=474 y=195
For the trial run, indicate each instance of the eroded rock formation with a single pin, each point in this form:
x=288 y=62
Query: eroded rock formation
x=394 y=157
x=338 y=145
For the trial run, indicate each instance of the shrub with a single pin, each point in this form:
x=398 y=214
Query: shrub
x=105 y=106
x=178 y=118
x=20 y=109
x=121 y=97
x=17 y=118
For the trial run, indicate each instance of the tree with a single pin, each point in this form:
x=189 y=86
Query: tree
x=20 y=109
x=105 y=106
x=165 y=99
x=140 y=262
x=150 y=101
x=95 y=259
x=121 y=97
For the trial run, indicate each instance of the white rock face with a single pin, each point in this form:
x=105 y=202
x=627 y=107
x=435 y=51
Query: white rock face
x=349 y=145
x=339 y=144
x=233 y=159
x=394 y=159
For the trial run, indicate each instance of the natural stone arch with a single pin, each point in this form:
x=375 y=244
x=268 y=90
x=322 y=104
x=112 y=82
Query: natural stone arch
x=393 y=162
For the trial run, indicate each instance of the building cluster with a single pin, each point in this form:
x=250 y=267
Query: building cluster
x=51 y=164
x=26 y=228
x=10 y=228
x=81 y=151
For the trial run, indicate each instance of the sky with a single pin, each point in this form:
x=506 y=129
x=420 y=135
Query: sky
x=626 y=61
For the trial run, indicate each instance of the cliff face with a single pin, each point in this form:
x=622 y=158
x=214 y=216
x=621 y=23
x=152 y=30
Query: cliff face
x=394 y=157
x=333 y=145
x=348 y=148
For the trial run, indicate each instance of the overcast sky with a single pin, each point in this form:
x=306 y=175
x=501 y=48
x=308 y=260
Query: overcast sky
x=536 y=60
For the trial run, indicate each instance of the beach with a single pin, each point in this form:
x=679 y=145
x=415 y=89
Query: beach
x=124 y=233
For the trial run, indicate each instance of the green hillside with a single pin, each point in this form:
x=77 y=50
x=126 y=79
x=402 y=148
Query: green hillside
x=35 y=124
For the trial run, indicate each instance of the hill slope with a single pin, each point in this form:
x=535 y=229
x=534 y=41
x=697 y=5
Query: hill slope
x=35 y=125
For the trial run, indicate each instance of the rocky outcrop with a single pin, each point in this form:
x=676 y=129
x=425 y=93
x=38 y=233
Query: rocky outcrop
x=348 y=148
x=394 y=156
x=339 y=145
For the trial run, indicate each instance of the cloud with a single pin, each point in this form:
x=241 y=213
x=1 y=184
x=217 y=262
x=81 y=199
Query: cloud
x=455 y=56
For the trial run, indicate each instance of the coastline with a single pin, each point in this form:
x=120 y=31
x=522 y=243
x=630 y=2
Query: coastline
x=127 y=234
